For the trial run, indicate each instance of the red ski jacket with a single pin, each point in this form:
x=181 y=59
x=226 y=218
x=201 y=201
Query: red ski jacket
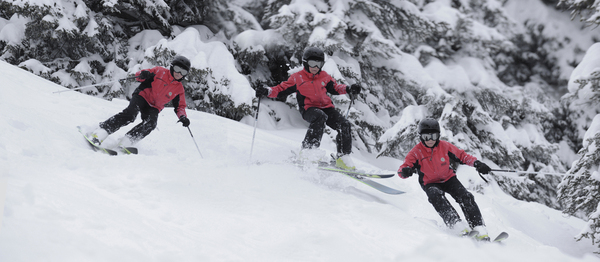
x=164 y=88
x=311 y=90
x=435 y=165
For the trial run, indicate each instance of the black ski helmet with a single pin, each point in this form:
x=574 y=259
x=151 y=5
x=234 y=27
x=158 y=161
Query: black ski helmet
x=429 y=125
x=182 y=62
x=312 y=53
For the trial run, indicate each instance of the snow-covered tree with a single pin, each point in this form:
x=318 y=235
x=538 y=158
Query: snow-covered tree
x=355 y=35
x=580 y=190
x=587 y=11
x=79 y=45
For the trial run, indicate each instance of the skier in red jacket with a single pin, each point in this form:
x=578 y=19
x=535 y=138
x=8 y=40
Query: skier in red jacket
x=159 y=86
x=434 y=160
x=311 y=86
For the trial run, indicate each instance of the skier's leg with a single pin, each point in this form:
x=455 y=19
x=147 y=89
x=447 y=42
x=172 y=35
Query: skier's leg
x=317 y=119
x=117 y=121
x=125 y=117
x=437 y=198
x=343 y=139
x=149 y=122
x=466 y=200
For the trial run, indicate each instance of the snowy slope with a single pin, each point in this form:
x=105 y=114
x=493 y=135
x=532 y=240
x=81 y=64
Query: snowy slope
x=65 y=202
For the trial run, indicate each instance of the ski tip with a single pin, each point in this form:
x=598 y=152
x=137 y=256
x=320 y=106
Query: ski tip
x=396 y=192
x=111 y=152
x=502 y=236
x=130 y=150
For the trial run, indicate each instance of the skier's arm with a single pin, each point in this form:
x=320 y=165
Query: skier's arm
x=410 y=165
x=462 y=155
x=287 y=92
x=335 y=88
x=146 y=75
x=290 y=83
x=179 y=105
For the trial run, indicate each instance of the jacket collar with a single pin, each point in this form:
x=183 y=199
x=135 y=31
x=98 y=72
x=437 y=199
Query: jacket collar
x=311 y=76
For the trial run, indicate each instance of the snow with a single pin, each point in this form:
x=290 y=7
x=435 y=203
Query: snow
x=65 y=202
x=592 y=131
x=410 y=115
x=259 y=40
x=588 y=65
x=36 y=66
x=557 y=24
x=13 y=31
x=442 y=12
x=584 y=102
x=451 y=77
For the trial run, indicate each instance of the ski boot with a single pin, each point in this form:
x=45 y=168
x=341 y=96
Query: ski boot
x=482 y=234
x=98 y=136
x=345 y=162
x=126 y=145
x=312 y=156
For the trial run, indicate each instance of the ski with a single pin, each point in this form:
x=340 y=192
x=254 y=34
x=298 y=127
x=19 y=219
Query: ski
x=473 y=233
x=470 y=234
x=502 y=236
x=373 y=184
x=129 y=150
x=96 y=147
x=358 y=176
x=353 y=172
x=330 y=166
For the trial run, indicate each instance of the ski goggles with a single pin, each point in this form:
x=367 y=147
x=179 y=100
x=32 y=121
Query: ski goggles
x=180 y=70
x=432 y=136
x=315 y=63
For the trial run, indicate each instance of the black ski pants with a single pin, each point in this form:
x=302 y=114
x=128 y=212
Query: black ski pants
x=436 y=194
x=137 y=104
x=318 y=118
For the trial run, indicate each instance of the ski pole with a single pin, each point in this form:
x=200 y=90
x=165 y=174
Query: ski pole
x=349 y=106
x=352 y=96
x=254 y=133
x=527 y=172
x=195 y=142
x=104 y=83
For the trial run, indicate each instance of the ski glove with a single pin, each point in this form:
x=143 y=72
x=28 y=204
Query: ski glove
x=146 y=75
x=406 y=172
x=184 y=121
x=482 y=167
x=354 y=89
x=262 y=91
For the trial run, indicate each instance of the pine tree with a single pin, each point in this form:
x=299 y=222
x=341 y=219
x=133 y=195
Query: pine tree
x=69 y=38
x=341 y=31
x=580 y=190
x=586 y=10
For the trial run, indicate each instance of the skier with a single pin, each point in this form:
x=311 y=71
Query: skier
x=434 y=160
x=311 y=86
x=159 y=86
